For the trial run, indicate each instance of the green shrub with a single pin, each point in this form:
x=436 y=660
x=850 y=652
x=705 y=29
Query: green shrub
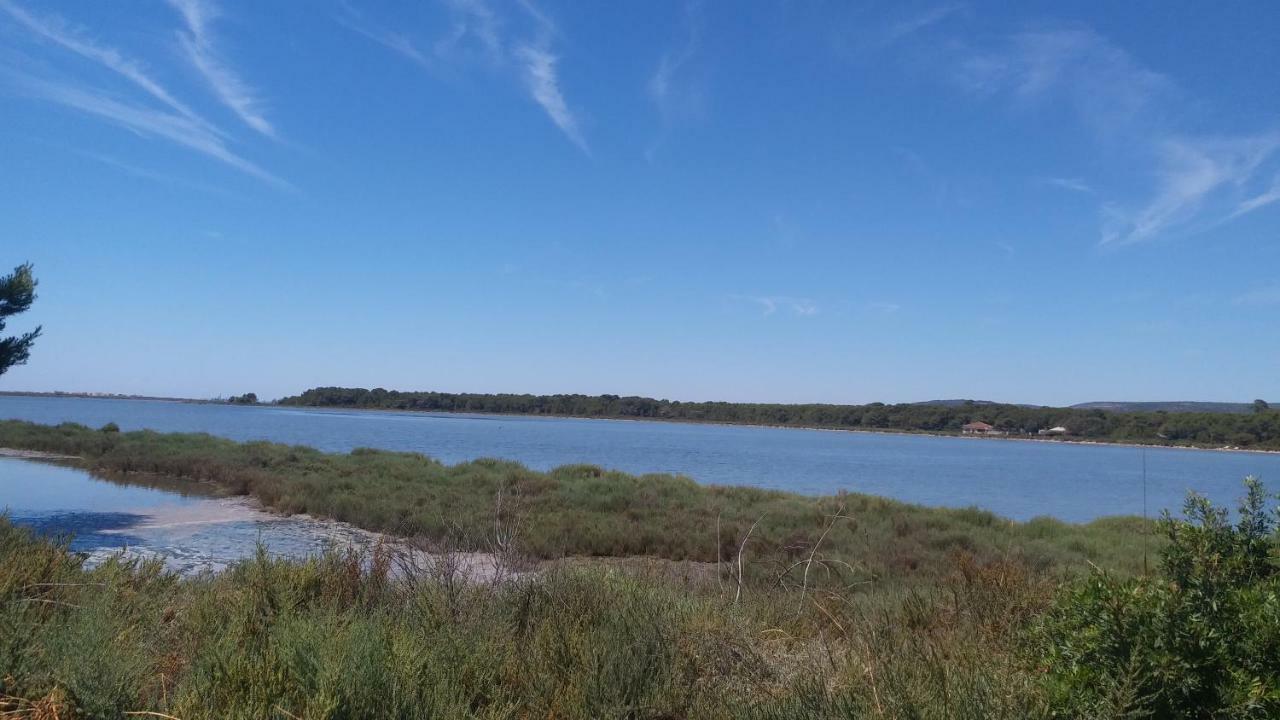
x=1200 y=640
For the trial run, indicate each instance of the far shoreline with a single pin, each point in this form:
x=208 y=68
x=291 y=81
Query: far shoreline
x=864 y=431
x=674 y=421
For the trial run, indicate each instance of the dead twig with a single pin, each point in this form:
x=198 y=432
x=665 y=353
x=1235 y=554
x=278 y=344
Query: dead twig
x=742 y=546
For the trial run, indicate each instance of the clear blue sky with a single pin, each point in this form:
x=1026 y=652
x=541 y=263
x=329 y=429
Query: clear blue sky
x=792 y=201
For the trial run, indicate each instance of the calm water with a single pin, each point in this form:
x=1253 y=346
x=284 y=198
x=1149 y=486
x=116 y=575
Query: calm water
x=191 y=533
x=1016 y=479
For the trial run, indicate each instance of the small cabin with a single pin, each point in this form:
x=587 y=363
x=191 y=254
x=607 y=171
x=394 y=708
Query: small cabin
x=977 y=427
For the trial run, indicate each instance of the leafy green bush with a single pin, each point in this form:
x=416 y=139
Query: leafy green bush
x=1200 y=640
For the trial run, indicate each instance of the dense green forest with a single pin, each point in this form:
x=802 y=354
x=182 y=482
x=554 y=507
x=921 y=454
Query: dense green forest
x=1259 y=429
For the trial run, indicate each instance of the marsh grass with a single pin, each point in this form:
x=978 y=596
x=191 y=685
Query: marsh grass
x=848 y=540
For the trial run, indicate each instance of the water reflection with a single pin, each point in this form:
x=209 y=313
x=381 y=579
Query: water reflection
x=193 y=531
x=87 y=531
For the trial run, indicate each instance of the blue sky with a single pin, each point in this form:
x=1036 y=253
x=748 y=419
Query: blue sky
x=843 y=202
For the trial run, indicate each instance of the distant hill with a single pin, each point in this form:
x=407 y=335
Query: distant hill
x=960 y=403
x=1180 y=406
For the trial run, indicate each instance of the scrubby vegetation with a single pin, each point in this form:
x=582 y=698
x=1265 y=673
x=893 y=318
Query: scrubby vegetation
x=337 y=638
x=1259 y=429
x=1200 y=640
x=585 y=511
x=340 y=636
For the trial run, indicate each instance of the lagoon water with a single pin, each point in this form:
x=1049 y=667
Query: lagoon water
x=1020 y=480
x=190 y=533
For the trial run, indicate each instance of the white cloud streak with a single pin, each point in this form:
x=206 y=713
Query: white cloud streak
x=146 y=122
x=178 y=123
x=1199 y=181
x=1193 y=171
x=1267 y=197
x=543 y=84
x=54 y=30
x=916 y=23
x=478 y=32
x=197 y=43
x=1072 y=184
x=146 y=174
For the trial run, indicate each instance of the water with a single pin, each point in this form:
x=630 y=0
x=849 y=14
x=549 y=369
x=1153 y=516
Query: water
x=190 y=533
x=1020 y=480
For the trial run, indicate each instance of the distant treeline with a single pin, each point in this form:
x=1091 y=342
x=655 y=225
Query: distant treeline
x=1261 y=429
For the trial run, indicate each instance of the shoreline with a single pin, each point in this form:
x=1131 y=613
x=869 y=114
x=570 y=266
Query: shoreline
x=34 y=455
x=721 y=423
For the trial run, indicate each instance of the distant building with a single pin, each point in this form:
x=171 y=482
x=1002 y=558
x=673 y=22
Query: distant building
x=977 y=427
x=1059 y=430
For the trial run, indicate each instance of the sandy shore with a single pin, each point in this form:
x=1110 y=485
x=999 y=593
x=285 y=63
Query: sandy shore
x=34 y=455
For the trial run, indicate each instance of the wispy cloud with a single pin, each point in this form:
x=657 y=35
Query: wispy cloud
x=544 y=85
x=398 y=43
x=1066 y=183
x=55 y=30
x=1261 y=200
x=177 y=122
x=675 y=96
x=884 y=307
x=473 y=21
x=1192 y=171
x=915 y=23
x=146 y=122
x=477 y=32
x=1101 y=83
x=146 y=174
x=1198 y=181
x=771 y=304
x=197 y=43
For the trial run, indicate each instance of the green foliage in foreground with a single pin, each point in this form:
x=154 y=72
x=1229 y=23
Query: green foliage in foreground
x=340 y=637
x=335 y=637
x=585 y=511
x=1258 y=430
x=1201 y=640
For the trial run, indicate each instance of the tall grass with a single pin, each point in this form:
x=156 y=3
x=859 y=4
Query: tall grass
x=334 y=637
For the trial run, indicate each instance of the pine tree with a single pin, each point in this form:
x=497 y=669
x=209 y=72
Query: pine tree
x=17 y=292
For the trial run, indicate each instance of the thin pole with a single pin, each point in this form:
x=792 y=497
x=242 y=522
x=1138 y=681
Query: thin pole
x=1145 y=523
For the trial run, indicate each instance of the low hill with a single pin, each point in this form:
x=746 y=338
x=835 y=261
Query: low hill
x=1177 y=406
